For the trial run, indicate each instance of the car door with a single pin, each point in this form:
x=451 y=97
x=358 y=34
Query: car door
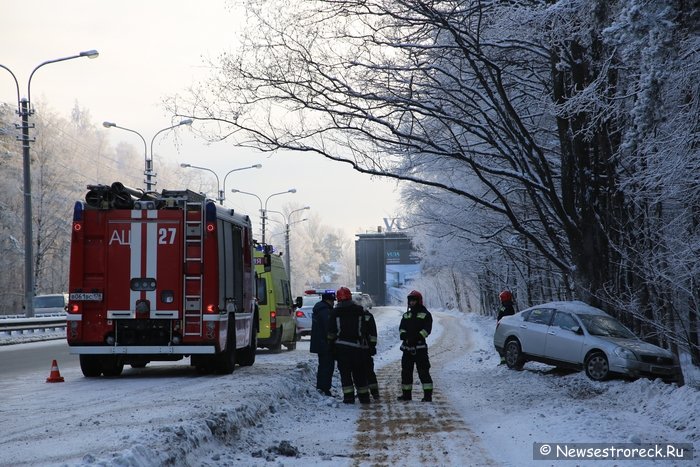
x=533 y=331
x=563 y=343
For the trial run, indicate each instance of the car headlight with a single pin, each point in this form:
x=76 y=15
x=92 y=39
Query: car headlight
x=625 y=353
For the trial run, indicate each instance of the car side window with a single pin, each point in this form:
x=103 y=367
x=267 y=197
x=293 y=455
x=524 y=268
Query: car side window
x=540 y=316
x=564 y=321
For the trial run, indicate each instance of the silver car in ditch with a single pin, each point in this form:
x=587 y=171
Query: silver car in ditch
x=579 y=336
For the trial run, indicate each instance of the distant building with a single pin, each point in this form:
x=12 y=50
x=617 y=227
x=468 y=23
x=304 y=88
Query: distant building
x=386 y=263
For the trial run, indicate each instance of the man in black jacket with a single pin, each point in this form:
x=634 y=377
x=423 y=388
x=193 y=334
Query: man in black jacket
x=416 y=325
x=319 y=343
x=370 y=349
x=347 y=334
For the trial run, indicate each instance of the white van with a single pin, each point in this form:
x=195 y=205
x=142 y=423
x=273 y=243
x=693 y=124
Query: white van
x=50 y=304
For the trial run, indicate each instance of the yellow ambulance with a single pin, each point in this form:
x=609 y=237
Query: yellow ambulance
x=276 y=325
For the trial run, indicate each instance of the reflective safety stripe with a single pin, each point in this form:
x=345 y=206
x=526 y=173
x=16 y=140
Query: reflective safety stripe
x=331 y=336
x=406 y=315
x=348 y=389
x=363 y=390
x=421 y=315
x=348 y=344
x=406 y=387
x=428 y=387
x=373 y=339
x=423 y=333
x=374 y=386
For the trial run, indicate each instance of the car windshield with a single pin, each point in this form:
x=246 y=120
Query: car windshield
x=55 y=301
x=605 y=326
x=311 y=300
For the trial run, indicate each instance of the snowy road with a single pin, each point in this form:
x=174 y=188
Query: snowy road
x=269 y=414
x=399 y=433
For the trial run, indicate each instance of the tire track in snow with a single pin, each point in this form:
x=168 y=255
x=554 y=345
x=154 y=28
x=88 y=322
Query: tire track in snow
x=393 y=432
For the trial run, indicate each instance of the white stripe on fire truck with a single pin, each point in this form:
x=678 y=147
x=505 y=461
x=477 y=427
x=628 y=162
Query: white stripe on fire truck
x=152 y=256
x=135 y=295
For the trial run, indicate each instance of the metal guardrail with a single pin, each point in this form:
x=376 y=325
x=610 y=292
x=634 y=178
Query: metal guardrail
x=32 y=324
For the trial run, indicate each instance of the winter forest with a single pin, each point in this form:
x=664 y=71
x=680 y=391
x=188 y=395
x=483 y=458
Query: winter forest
x=546 y=146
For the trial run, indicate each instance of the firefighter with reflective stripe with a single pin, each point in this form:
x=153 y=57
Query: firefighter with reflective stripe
x=370 y=349
x=415 y=327
x=348 y=334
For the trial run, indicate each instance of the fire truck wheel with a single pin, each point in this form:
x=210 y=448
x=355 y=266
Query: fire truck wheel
x=90 y=366
x=246 y=355
x=225 y=362
x=112 y=366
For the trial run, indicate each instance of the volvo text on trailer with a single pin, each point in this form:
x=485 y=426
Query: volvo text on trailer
x=159 y=277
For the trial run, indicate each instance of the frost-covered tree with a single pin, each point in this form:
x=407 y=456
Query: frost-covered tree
x=548 y=124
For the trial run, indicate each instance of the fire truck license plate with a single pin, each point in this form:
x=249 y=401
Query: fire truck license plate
x=86 y=297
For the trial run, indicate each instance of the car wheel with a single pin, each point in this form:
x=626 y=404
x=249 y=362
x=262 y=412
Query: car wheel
x=514 y=355
x=597 y=366
x=276 y=346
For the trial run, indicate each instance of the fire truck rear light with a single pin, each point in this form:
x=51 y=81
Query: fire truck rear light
x=300 y=314
x=211 y=308
x=167 y=296
x=77 y=226
x=210 y=227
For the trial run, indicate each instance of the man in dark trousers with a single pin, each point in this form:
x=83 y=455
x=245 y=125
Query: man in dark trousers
x=416 y=325
x=370 y=349
x=319 y=343
x=347 y=334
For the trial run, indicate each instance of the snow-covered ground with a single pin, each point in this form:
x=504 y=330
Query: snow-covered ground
x=270 y=414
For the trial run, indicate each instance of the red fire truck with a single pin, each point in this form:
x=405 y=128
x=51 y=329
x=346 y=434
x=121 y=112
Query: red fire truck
x=159 y=277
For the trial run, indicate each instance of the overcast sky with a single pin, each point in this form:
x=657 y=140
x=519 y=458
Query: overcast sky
x=152 y=49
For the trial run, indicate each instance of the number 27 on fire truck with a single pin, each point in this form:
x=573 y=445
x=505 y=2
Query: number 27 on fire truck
x=159 y=277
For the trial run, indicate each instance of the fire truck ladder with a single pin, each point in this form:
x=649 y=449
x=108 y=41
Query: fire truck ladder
x=193 y=283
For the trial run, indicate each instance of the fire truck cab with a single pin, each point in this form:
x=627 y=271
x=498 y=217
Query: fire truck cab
x=160 y=277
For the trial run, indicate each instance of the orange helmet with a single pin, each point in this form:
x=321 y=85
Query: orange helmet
x=415 y=294
x=343 y=294
x=506 y=296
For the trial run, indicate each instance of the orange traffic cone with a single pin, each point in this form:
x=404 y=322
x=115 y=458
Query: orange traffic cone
x=55 y=375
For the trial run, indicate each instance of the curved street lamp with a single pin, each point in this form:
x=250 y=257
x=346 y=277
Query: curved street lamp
x=148 y=161
x=286 y=238
x=24 y=110
x=263 y=206
x=219 y=188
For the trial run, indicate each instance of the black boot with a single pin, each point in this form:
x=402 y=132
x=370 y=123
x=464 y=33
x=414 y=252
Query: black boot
x=375 y=394
x=405 y=396
x=427 y=396
x=348 y=399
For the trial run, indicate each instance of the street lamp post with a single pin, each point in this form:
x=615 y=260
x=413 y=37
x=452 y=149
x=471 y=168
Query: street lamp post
x=263 y=206
x=24 y=110
x=286 y=237
x=148 y=161
x=219 y=188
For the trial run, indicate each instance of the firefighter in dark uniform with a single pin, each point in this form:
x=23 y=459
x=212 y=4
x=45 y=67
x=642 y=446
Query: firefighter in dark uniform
x=415 y=327
x=506 y=309
x=319 y=343
x=347 y=334
x=370 y=349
